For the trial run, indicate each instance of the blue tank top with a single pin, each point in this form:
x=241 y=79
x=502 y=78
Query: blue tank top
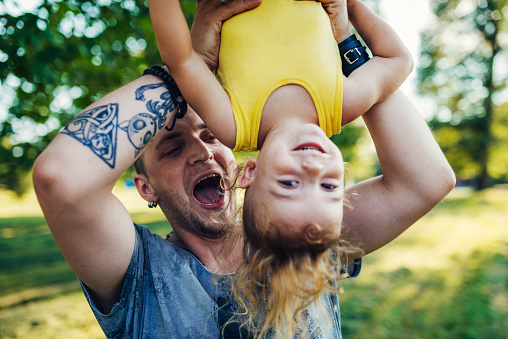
x=168 y=293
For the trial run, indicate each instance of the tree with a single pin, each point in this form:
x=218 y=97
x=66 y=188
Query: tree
x=464 y=67
x=59 y=58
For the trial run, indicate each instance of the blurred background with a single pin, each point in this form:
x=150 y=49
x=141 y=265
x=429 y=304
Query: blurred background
x=446 y=277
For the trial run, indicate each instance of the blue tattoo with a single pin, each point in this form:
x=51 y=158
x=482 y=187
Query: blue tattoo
x=96 y=129
x=142 y=127
x=160 y=109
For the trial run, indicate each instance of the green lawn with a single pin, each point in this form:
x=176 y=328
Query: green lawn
x=446 y=277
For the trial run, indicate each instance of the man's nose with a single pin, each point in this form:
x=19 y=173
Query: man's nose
x=312 y=167
x=200 y=153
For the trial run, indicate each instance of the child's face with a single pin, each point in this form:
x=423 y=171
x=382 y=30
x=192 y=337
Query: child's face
x=299 y=176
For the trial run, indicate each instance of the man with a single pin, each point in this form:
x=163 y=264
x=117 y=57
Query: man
x=141 y=285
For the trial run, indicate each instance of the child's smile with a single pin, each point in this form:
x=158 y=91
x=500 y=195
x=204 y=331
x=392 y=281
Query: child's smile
x=299 y=178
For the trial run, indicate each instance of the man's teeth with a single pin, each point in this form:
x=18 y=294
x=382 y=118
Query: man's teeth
x=208 y=176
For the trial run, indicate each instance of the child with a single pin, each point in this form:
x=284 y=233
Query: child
x=282 y=91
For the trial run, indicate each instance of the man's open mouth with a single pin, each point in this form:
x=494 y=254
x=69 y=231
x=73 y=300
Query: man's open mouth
x=208 y=190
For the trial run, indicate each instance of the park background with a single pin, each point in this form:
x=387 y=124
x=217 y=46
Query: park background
x=446 y=277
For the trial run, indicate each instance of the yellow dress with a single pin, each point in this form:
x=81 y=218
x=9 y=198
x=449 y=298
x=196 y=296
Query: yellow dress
x=278 y=43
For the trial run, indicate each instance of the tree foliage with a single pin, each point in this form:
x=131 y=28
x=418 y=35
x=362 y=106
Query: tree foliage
x=464 y=67
x=59 y=58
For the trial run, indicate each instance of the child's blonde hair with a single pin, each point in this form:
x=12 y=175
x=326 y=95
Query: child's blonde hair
x=281 y=276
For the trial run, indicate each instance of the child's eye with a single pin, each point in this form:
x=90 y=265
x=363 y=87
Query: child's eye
x=288 y=183
x=329 y=187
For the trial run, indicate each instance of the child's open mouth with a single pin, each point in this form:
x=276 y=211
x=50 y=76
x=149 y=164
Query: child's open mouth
x=310 y=148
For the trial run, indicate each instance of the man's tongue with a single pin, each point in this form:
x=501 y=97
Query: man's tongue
x=208 y=195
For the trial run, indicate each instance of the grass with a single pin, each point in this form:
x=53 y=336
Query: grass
x=40 y=296
x=29 y=256
x=446 y=277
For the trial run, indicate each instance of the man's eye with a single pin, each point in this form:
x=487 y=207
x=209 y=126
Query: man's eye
x=288 y=183
x=173 y=152
x=328 y=187
x=209 y=138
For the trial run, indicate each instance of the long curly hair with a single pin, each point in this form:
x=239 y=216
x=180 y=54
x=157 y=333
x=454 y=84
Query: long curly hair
x=281 y=275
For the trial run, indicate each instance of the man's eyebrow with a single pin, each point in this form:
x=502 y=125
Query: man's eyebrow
x=176 y=135
x=168 y=137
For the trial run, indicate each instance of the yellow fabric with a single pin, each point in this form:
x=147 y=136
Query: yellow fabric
x=278 y=43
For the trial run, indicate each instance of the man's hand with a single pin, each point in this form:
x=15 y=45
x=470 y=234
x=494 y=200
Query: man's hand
x=207 y=26
x=337 y=11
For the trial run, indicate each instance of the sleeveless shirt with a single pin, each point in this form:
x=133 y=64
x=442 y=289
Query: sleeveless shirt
x=278 y=43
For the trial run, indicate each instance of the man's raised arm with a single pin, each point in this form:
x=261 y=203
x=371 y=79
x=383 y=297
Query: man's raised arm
x=74 y=177
x=416 y=176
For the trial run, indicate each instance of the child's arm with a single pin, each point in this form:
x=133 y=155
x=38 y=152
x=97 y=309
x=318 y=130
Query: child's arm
x=384 y=73
x=196 y=82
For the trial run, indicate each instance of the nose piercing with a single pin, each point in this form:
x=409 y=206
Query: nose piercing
x=211 y=154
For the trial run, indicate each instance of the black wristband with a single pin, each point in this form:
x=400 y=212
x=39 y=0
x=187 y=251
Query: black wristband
x=174 y=92
x=352 y=54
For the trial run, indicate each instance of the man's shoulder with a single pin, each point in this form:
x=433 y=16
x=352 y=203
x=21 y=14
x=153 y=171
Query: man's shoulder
x=159 y=251
x=145 y=234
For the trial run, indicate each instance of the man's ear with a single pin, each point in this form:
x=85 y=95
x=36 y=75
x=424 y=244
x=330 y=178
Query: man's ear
x=144 y=188
x=249 y=173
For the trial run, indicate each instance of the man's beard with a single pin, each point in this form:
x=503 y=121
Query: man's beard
x=182 y=214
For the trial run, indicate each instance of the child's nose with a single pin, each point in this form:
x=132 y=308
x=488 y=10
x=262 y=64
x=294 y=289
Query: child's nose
x=313 y=167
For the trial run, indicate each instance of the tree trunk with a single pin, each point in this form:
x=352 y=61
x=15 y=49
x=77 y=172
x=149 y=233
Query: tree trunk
x=486 y=138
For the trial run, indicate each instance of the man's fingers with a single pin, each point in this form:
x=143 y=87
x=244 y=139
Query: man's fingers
x=206 y=29
x=234 y=7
